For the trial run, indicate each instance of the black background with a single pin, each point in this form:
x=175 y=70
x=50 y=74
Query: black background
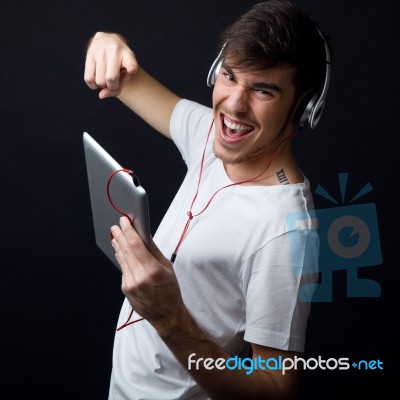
x=60 y=296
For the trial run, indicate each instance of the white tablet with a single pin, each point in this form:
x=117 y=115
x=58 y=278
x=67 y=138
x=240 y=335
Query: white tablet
x=113 y=192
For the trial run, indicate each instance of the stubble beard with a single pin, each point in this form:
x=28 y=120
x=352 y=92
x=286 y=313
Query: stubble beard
x=240 y=160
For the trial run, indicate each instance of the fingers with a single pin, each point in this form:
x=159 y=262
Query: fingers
x=90 y=72
x=119 y=256
x=133 y=255
x=133 y=240
x=152 y=290
x=136 y=262
x=106 y=92
x=110 y=70
x=131 y=249
x=109 y=64
x=156 y=252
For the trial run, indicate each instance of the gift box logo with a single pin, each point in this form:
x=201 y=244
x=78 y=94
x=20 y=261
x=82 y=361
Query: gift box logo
x=348 y=240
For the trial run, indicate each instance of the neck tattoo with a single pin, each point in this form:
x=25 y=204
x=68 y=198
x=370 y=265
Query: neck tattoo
x=282 y=177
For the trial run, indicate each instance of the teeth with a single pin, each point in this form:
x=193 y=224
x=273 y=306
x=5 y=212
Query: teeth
x=237 y=127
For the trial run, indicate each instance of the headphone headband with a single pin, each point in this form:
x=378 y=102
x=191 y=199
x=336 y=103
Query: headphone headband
x=310 y=110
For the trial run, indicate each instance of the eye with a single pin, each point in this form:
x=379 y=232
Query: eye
x=263 y=94
x=228 y=77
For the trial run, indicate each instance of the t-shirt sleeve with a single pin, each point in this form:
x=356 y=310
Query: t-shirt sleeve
x=278 y=282
x=190 y=122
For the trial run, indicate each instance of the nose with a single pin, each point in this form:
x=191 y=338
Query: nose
x=237 y=100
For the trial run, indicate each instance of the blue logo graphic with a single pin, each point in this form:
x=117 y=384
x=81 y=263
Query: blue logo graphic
x=349 y=239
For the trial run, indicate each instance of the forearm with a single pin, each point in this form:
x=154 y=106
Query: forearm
x=150 y=100
x=150 y=285
x=187 y=338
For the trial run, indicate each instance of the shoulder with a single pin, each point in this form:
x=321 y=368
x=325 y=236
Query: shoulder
x=189 y=125
x=189 y=112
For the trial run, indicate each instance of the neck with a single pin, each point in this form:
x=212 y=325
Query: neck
x=262 y=168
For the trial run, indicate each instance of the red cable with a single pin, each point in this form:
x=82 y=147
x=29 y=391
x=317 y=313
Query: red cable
x=189 y=213
x=130 y=172
x=127 y=323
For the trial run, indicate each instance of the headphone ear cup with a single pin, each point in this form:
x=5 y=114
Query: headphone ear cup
x=215 y=67
x=214 y=71
x=304 y=109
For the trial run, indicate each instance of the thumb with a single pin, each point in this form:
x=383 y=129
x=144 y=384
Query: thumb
x=129 y=63
x=159 y=256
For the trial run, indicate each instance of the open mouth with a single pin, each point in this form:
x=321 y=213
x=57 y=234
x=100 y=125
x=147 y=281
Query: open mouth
x=233 y=130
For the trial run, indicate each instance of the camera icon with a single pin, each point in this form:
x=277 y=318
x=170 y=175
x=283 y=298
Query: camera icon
x=348 y=240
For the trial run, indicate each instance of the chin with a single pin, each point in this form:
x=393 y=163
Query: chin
x=225 y=157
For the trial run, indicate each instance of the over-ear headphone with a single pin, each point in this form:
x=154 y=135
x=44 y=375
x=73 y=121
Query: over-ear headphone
x=215 y=68
x=310 y=109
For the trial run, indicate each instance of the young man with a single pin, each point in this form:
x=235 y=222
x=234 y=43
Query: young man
x=238 y=262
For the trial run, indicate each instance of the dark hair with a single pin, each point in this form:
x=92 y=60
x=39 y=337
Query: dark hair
x=278 y=33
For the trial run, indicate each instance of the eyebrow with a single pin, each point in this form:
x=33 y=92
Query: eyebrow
x=255 y=85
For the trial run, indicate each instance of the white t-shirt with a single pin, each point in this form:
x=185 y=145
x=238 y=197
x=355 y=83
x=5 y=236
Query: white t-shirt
x=240 y=267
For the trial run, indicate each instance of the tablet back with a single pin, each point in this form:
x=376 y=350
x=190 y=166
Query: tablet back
x=109 y=191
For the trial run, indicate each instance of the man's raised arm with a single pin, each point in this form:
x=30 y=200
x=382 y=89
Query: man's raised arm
x=111 y=66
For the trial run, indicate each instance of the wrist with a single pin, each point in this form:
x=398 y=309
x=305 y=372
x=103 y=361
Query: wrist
x=175 y=324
